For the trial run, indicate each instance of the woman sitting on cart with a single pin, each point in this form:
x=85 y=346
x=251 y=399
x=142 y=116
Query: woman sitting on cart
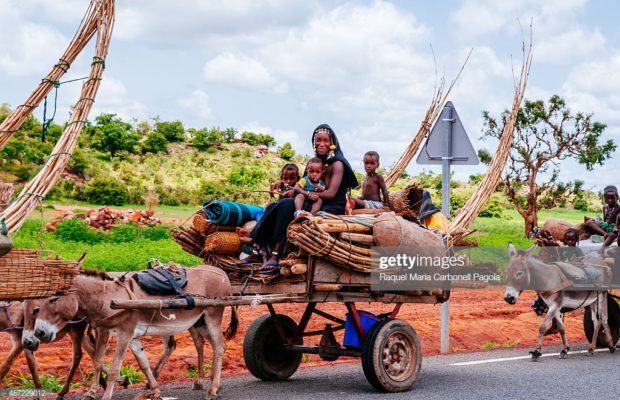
x=270 y=231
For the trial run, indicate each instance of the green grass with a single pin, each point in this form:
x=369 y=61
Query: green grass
x=50 y=383
x=192 y=372
x=490 y=346
x=132 y=374
x=129 y=256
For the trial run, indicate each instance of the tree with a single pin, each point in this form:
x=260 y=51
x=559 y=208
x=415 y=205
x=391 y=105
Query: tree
x=173 y=131
x=286 y=152
x=545 y=134
x=255 y=139
x=155 y=142
x=111 y=134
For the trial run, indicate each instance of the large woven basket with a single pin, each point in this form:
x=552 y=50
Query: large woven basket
x=27 y=274
x=205 y=227
x=223 y=243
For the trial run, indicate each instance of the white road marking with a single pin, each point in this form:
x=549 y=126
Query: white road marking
x=494 y=360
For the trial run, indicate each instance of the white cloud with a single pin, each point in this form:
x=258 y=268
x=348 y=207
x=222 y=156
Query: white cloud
x=167 y=24
x=28 y=48
x=593 y=87
x=480 y=19
x=113 y=97
x=567 y=46
x=198 y=103
x=241 y=71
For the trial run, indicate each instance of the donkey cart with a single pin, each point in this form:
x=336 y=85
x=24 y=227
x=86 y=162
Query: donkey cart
x=273 y=346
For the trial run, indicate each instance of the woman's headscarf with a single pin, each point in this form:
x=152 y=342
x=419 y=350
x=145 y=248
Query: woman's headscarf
x=348 y=178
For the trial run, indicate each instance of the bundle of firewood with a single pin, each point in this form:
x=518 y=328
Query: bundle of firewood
x=104 y=218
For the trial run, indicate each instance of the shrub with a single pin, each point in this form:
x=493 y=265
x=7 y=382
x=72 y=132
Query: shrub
x=172 y=131
x=124 y=233
x=254 y=139
x=156 y=233
x=155 y=142
x=105 y=192
x=78 y=162
x=211 y=190
x=246 y=176
x=203 y=139
x=493 y=209
x=286 y=152
x=581 y=204
x=77 y=230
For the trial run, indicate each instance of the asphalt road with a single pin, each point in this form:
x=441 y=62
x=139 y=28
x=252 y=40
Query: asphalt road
x=502 y=374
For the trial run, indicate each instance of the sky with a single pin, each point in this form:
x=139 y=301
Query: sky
x=282 y=67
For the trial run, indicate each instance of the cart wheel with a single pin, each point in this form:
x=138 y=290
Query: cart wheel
x=613 y=321
x=263 y=350
x=392 y=356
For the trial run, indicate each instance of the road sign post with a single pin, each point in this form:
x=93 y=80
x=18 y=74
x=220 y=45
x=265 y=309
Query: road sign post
x=447 y=144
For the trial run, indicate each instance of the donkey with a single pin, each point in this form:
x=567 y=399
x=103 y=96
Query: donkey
x=527 y=272
x=11 y=321
x=91 y=298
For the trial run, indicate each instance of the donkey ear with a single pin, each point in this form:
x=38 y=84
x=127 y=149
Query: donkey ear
x=512 y=250
x=529 y=251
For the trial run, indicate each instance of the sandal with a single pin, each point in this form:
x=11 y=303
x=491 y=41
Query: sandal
x=269 y=267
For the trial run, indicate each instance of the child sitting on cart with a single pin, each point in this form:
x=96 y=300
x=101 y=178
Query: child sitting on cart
x=309 y=185
x=611 y=210
x=373 y=185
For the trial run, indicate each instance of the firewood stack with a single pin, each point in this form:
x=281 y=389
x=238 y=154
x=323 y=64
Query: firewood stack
x=104 y=218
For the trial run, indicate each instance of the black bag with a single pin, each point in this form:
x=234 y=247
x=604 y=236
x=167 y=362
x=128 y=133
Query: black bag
x=162 y=281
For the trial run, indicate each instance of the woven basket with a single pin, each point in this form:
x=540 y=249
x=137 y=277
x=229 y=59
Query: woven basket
x=407 y=201
x=223 y=243
x=27 y=274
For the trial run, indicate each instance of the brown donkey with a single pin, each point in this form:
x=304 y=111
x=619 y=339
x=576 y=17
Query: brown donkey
x=11 y=322
x=91 y=300
x=527 y=272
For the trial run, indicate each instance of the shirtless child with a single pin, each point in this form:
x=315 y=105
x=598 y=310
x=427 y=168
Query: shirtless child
x=611 y=211
x=373 y=186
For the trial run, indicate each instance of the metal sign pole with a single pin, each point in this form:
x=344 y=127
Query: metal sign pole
x=447 y=144
x=445 y=209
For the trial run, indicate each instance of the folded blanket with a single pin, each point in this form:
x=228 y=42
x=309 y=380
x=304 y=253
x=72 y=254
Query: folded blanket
x=427 y=208
x=230 y=213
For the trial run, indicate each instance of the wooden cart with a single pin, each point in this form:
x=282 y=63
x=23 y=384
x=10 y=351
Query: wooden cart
x=273 y=346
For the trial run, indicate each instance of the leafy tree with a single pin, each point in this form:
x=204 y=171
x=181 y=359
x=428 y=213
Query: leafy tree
x=204 y=138
x=155 y=142
x=255 y=139
x=173 y=131
x=286 y=152
x=229 y=135
x=110 y=134
x=545 y=134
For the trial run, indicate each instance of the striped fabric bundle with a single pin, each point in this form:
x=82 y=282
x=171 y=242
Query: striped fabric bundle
x=230 y=213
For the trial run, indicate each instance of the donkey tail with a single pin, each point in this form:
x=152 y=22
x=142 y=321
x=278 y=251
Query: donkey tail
x=231 y=331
